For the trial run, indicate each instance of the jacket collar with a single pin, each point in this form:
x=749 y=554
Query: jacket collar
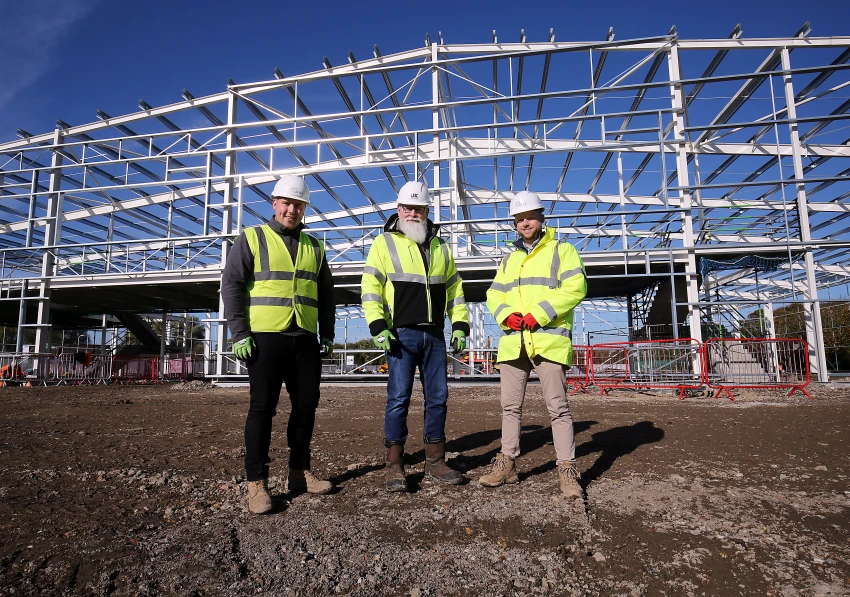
x=392 y=226
x=548 y=234
x=282 y=230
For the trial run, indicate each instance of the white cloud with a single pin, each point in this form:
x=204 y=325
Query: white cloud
x=31 y=33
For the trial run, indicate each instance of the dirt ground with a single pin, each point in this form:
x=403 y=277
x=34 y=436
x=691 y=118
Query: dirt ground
x=139 y=490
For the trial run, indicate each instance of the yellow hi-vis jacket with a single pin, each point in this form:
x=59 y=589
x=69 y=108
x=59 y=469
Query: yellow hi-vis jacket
x=398 y=292
x=549 y=282
x=282 y=289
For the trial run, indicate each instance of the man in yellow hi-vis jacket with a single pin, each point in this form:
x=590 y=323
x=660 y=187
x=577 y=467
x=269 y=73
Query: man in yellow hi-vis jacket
x=533 y=297
x=278 y=295
x=410 y=283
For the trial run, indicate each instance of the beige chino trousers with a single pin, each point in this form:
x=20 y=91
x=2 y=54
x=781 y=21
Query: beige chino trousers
x=514 y=380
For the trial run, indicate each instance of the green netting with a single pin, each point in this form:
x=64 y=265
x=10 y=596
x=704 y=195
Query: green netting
x=764 y=264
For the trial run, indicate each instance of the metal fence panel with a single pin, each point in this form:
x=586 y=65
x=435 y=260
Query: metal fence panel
x=655 y=364
x=12 y=367
x=76 y=368
x=756 y=363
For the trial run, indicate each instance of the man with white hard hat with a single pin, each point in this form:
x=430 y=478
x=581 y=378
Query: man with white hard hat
x=278 y=295
x=410 y=283
x=533 y=298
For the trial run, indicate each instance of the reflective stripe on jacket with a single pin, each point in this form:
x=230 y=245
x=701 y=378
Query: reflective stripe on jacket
x=397 y=291
x=281 y=289
x=549 y=282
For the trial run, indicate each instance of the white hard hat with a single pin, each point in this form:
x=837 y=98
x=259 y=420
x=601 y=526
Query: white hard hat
x=414 y=193
x=291 y=187
x=524 y=201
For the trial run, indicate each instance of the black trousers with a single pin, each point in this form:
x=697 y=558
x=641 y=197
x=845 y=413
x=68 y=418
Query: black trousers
x=279 y=359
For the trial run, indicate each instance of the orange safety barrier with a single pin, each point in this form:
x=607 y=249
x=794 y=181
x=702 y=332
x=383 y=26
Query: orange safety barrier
x=730 y=363
x=652 y=364
x=11 y=371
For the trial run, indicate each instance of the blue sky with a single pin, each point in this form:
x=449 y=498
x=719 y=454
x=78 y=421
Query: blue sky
x=68 y=58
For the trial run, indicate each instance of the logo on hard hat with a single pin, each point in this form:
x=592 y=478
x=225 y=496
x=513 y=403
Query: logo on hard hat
x=296 y=191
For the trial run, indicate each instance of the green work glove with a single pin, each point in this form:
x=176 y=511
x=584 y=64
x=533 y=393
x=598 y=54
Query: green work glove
x=458 y=341
x=327 y=348
x=383 y=339
x=244 y=348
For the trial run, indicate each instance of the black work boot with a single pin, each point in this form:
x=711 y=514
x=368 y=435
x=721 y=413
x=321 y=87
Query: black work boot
x=396 y=481
x=436 y=467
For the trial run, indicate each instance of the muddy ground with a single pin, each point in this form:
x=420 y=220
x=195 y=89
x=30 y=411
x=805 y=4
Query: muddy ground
x=139 y=490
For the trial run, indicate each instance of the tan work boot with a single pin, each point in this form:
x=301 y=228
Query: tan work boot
x=259 y=500
x=300 y=481
x=395 y=477
x=503 y=471
x=436 y=467
x=568 y=475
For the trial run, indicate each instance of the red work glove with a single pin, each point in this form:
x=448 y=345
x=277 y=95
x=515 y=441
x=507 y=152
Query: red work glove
x=514 y=321
x=529 y=323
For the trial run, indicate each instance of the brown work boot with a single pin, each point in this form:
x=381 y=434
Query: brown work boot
x=304 y=480
x=259 y=500
x=436 y=467
x=568 y=475
x=396 y=480
x=503 y=471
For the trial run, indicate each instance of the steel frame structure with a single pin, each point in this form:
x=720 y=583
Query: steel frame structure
x=649 y=153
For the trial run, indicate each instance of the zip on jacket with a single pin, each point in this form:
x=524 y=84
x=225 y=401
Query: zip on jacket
x=406 y=284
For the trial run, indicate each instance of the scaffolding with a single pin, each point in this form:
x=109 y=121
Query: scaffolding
x=649 y=154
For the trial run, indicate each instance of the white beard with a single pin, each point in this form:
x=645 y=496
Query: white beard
x=415 y=231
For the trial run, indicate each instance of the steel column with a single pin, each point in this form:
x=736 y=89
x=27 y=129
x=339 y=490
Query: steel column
x=163 y=338
x=208 y=341
x=814 y=326
x=52 y=236
x=226 y=224
x=435 y=124
x=22 y=317
x=103 y=335
x=678 y=103
x=32 y=206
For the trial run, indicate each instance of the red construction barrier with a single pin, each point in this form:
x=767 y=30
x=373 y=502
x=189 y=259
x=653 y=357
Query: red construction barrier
x=183 y=367
x=652 y=364
x=578 y=376
x=730 y=363
x=135 y=369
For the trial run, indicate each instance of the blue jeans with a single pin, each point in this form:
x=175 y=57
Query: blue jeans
x=423 y=347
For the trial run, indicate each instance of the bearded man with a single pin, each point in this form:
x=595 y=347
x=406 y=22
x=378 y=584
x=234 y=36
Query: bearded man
x=410 y=283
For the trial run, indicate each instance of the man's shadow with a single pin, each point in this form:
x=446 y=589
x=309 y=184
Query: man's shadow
x=532 y=437
x=280 y=502
x=614 y=443
x=611 y=444
x=349 y=475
